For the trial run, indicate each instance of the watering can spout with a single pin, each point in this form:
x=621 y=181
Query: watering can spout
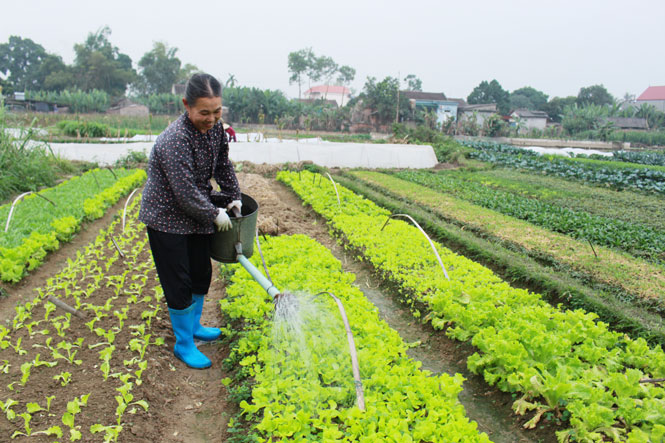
x=256 y=274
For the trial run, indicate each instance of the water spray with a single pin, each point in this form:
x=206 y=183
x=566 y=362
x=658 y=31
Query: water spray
x=236 y=246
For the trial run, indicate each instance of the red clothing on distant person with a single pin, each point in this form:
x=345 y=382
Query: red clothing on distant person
x=232 y=134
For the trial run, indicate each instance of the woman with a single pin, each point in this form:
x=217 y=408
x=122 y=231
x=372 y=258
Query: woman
x=181 y=210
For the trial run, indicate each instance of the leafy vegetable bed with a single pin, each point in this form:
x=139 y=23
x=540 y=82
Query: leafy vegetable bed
x=633 y=275
x=635 y=239
x=633 y=207
x=38 y=226
x=43 y=388
x=303 y=387
x=615 y=174
x=561 y=362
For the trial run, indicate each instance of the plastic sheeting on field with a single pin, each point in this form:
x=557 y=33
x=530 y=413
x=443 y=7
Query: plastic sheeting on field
x=337 y=155
x=329 y=154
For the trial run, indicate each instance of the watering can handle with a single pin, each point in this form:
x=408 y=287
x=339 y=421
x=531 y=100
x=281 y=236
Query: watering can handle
x=236 y=212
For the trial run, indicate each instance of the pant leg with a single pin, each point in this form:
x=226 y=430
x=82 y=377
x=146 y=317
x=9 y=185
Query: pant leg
x=170 y=253
x=198 y=249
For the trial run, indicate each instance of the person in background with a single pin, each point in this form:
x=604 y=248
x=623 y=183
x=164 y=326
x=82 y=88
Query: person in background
x=181 y=210
x=231 y=133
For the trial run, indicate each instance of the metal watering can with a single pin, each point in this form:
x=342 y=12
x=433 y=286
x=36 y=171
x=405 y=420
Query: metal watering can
x=236 y=245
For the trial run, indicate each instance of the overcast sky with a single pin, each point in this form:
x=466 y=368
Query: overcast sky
x=555 y=46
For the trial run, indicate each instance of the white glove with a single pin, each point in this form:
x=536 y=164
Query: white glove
x=234 y=204
x=222 y=221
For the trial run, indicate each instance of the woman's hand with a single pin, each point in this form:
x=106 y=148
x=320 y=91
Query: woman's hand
x=234 y=204
x=222 y=221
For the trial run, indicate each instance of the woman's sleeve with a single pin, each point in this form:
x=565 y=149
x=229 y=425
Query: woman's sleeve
x=225 y=176
x=179 y=171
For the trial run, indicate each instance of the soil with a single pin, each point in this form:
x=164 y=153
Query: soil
x=188 y=405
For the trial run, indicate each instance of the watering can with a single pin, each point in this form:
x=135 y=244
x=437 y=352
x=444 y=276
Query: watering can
x=236 y=245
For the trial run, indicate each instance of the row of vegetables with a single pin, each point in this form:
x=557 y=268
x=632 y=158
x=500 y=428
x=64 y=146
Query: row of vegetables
x=43 y=390
x=639 y=240
x=40 y=221
x=619 y=175
x=629 y=206
x=555 y=361
x=644 y=280
x=298 y=360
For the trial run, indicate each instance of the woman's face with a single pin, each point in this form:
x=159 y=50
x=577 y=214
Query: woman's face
x=205 y=112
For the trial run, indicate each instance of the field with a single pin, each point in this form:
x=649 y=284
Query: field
x=537 y=330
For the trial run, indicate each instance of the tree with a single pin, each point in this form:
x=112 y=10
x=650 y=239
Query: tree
x=99 y=65
x=381 y=98
x=346 y=74
x=20 y=60
x=298 y=63
x=554 y=108
x=528 y=98
x=491 y=92
x=159 y=69
x=594 y=95
x=54 y=75
x=413 y=83
x=186 y=72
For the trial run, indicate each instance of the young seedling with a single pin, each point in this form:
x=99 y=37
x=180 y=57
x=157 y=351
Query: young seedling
x=111 y=432
x=6 y=407
x=73 y=408
x=27 y=416
x=64 y=377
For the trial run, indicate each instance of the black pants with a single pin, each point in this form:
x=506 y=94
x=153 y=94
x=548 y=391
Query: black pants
x=183 y=265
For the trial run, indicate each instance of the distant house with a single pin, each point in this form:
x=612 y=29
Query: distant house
x=480 y=112
x=128 y=107
x=341 y=94
x=529 y=119
x=653 y=95
x=444 y=108
x=628 y=124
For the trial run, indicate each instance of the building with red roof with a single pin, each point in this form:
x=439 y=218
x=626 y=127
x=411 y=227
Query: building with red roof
x=653 y=95
x=341 y=94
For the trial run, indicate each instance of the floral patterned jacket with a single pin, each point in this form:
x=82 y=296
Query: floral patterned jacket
x=178 y=197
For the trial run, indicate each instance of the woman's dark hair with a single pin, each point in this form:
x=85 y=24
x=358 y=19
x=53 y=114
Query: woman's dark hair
x=202 y=85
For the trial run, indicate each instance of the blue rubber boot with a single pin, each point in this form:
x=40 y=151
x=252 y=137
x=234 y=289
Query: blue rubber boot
x=201 y=332
x=184 y=349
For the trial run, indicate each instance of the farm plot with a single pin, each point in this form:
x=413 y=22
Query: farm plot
x=42 y=220
x=633 y=275
x=619 y=175
x=633 y=207
x=76 y=376
x=303 y=386
x=638 y=240
x=561 y=362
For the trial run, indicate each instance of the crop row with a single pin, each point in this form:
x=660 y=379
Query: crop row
x=297 y=355
x=634 y=207
x=619 y=175
x=632 y=275
x=557 y=360
x=59 y=371
x=644 y=158
x=38 y=225
x=635 y=239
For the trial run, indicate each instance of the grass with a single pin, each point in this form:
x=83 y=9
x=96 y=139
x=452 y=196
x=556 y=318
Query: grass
x=25 y=165
x=153 y=124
